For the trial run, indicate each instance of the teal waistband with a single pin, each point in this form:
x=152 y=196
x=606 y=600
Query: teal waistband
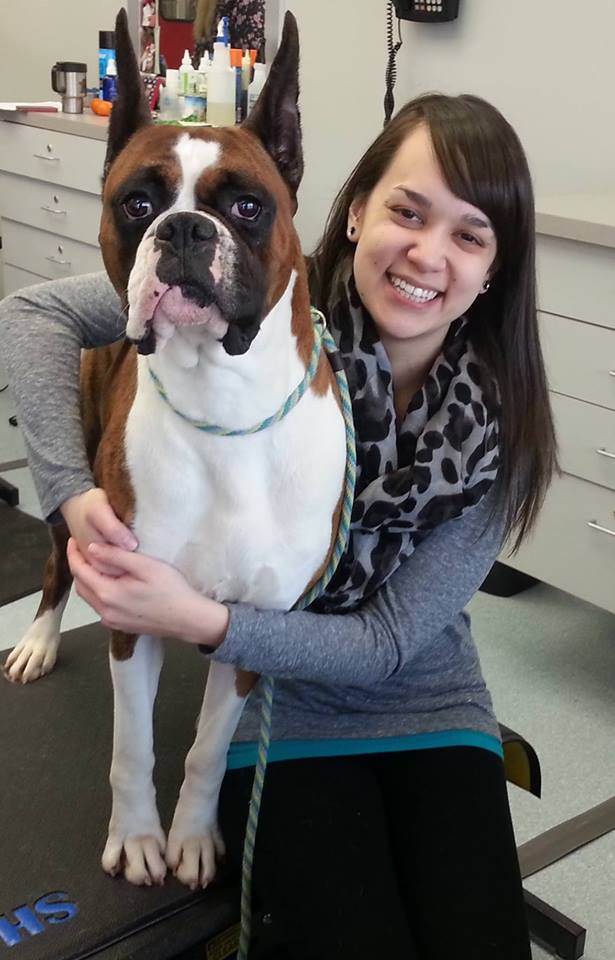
x=244 y=754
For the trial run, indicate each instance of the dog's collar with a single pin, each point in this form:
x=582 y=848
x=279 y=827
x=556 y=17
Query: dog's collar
x=291 y=401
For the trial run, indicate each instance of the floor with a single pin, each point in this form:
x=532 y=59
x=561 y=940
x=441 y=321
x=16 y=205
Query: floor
x=549 y=661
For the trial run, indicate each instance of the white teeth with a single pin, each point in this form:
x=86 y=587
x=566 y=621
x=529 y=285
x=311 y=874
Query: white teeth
x=413 y=293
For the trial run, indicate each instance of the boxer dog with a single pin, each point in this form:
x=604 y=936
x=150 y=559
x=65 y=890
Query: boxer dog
x=197 y=237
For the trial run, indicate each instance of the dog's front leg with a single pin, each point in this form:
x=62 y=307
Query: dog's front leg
x=136 y=842
x=194 y=838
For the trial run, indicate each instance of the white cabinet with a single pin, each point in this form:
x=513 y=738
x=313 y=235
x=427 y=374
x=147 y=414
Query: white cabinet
x=573 y=546
x=50 y=188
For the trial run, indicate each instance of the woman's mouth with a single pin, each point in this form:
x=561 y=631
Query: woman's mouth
x=417 y=296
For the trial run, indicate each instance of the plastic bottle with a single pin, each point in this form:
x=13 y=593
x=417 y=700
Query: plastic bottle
x=106 y=50
x=260 y=75
x=246 y=76
x=110 y=81
x=169 y=105
x=186 y=70
x=236 y=65
x=221 y=86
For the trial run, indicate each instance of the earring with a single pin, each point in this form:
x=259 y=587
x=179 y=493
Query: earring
x=485 y=286
x=351 y=232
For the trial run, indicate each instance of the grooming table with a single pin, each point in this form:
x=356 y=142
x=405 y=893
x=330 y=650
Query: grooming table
x=56 y=903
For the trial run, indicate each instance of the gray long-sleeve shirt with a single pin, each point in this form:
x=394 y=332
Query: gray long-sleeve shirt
x=403 y=664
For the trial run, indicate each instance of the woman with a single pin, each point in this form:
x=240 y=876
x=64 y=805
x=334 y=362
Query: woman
x=385 y=827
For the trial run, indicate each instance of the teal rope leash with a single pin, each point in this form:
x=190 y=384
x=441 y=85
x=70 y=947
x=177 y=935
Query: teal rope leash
x=291 y=401
x=264 y=737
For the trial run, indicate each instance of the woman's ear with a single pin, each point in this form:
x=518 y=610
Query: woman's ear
x=353 y=228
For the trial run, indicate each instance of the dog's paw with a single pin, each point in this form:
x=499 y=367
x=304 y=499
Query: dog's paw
x=35 y=655
x=192 y=857
x=139 y=857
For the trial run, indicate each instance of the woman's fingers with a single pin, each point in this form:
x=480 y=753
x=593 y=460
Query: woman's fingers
x=112 y=530
x=135 y=564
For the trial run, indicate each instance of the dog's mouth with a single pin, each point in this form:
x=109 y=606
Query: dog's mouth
x=187 y=305
x=159 y=309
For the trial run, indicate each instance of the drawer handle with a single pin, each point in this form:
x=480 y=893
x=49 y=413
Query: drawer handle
x=55 y=210
x=596 y=526
x=611 y=373
x=605 y=453
x=44 y=156
x=63 y=263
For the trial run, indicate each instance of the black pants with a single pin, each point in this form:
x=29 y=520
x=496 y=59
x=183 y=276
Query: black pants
x=403 y=856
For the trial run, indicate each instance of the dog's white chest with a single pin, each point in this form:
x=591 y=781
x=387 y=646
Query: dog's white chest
x=245 y=518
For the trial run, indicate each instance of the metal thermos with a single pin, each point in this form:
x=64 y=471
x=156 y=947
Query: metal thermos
x=69 y=80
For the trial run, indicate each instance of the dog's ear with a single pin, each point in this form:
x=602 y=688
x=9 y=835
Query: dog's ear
x=275 y=118
x=130 y=110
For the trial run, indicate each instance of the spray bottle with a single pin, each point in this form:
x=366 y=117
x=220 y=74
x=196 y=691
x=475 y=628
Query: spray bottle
x=221 y=85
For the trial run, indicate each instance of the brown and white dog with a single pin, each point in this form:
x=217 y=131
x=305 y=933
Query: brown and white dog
x=198 y=240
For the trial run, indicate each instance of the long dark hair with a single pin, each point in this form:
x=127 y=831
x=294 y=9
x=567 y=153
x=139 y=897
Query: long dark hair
x=483 y=162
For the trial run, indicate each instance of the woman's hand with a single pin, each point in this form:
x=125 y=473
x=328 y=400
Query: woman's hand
x=91 y=519
x=148 y=596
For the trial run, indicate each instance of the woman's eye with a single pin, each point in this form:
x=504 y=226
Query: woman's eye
x=137 y=207
x=247 y=208
x=470 y=238
x=408 y=214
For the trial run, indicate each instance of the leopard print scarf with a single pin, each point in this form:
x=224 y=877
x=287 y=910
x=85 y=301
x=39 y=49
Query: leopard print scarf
x=438 y=463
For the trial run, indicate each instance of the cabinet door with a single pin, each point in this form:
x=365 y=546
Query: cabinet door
x=58 y=158
x=47 y=254
x=15 y=279
x=70 y=213
x=573 y=545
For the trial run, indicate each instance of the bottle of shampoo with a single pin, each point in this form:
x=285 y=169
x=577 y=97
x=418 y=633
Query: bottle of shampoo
x=186 y=71
x=106 y=50
x=110 y=81
x=260 y=75
x=169 y=104
x=221 y=87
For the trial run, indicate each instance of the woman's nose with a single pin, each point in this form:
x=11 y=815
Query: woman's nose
x=428 y=252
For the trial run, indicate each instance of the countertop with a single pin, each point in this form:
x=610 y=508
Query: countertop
x=85 y=124
x=589 y=218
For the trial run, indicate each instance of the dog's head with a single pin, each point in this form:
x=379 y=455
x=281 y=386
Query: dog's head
x=197 y=223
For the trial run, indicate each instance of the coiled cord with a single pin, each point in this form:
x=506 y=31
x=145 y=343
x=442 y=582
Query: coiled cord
x=391 y=69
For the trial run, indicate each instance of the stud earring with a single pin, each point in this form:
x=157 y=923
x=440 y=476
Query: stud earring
x=485 y=286
x=351 y=231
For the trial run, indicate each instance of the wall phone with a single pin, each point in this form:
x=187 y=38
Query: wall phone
x=421 y=11
x=427 y=11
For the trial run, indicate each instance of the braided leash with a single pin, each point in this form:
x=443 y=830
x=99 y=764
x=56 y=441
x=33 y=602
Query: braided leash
x=264 y=737
x=291 y=401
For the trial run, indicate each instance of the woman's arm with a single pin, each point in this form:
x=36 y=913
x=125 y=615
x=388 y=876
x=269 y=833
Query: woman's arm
x=42 y=330
x=420 y=600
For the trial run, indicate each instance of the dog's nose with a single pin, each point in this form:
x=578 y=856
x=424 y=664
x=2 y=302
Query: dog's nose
x=183 y=229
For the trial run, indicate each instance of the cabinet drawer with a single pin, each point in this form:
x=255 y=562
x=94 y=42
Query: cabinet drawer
x=586 y=437
x=15 y=279
x=565 y=551
x=70 y=213
x=47 y=254
x=576 y=280
x=580 y=359
x=58 y=158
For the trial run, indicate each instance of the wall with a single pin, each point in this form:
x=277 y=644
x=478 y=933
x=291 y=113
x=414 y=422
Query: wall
x=548 y=67
x=35 y=34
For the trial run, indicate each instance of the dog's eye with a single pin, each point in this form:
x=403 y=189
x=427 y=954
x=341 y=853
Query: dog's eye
x=137 y=207
x=247 y=208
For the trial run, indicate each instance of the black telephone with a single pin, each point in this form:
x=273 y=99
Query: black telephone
x=427 y=11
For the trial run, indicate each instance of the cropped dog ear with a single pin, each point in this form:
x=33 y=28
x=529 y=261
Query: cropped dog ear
x=275 y=118
x=130 y=110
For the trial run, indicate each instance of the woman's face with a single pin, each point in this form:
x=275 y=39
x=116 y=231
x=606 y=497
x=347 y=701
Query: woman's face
x=422 y=253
